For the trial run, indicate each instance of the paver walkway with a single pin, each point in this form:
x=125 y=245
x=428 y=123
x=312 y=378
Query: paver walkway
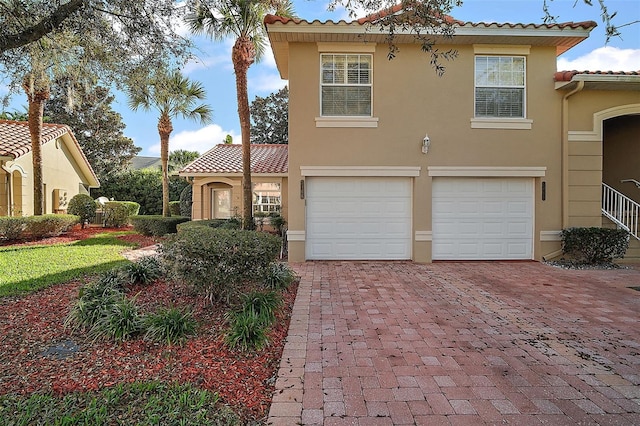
x=394 y=343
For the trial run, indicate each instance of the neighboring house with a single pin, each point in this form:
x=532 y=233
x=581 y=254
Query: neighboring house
x=65 y=169
x=389 y=161
x=216 y=177
x=140 y=162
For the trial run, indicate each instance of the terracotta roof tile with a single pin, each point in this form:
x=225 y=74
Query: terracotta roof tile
x=15 y=139
x=568 y=75
x=226 y=158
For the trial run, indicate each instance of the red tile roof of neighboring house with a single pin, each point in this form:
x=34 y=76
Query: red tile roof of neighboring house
x=568 y=75
x=227 y=158
x=15 y=139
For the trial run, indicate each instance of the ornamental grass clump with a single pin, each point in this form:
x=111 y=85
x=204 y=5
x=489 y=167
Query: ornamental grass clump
x=170 y=325
x=246 y=331
x=120 y=321
x=145 y=271
x=94 y=300
x=263 y=304
x=278 y=276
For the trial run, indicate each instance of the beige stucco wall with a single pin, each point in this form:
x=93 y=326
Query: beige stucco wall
x=59 y=171
x=410 y=100
x=587 y=112
x=202 y=186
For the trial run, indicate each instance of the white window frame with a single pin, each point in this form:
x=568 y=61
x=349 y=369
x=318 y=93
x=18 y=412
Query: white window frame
x=346 y=84
x=258 y=205
x=523 y=86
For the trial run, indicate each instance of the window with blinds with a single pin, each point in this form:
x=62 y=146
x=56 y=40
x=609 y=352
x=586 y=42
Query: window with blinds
x=500 y=86
x=346 y=84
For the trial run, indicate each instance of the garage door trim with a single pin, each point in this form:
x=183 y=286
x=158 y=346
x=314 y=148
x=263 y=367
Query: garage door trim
x=355 y=171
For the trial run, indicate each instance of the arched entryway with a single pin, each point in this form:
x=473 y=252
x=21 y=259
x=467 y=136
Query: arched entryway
x=621 y=154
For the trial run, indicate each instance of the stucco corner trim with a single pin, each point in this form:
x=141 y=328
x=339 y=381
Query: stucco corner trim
x=295 y=235
x=584 y=136
x=424 y=236
x=462 y=171
x=502 y=123
x=366 y=122
x=379 y=171
x=550 y=236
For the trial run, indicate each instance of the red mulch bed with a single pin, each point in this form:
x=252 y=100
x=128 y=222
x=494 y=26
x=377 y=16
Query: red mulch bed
x=32 y=324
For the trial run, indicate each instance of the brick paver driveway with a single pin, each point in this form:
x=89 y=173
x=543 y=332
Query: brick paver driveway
x=391 y=343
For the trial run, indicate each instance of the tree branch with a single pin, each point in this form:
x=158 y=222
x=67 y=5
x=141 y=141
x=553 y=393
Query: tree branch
x=42 y=28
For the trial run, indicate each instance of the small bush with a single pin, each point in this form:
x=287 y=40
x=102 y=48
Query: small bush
x=277 y=222
x=170 y=325
x=12 y=228
x=145 y=271
x=209 y=223
x=120 y=321
x=185 y=201
x=94 y=300
x=84 y=206
x=263 y=304
x=49 y=224
x=174 y=208
x=278 y=276
x=595 y=245
x=116 y=213
x=217 y=261
x=246 y=331
x=157 y=225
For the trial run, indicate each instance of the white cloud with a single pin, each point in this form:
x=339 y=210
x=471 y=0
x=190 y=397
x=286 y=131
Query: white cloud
x=200 y=140
x=603 y=59
x=266 y=82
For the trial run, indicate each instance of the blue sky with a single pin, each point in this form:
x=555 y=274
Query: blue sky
x=214 y=69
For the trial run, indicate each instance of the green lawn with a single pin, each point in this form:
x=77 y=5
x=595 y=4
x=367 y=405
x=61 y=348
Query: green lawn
x=30 y=268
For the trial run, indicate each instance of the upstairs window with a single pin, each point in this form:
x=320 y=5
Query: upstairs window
x=346 y=85
x=267 y=198
x=500 y=86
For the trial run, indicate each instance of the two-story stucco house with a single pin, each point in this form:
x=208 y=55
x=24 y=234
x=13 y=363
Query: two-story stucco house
x=490 y=161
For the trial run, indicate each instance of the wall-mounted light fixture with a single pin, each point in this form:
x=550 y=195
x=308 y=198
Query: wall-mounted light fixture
x=426 y=143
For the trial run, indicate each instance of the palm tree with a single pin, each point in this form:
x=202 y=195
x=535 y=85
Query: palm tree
x=172 y=95
x=243 y=20
x=36 y=86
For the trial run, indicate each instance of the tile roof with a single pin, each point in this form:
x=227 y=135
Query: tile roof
x=227 y=159
x=15 y=139
x=568 y=75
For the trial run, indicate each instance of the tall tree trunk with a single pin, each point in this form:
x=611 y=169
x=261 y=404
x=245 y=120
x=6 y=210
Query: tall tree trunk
x=243 y=55
x=36 y=96
x=164 y=129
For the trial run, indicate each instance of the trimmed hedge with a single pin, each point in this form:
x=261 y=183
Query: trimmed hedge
x=12 y=228
x=157 y=225
x=232 y=223
x=50 y=224
x=595 y=245
x=218 y=261
x=117 y=213
x=84 y=206
x=185 y=201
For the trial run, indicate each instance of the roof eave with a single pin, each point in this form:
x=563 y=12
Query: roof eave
x=601 y=82
x=227 y=175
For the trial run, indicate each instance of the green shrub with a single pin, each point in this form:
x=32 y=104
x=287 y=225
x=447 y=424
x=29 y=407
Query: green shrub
x=246 y=331
x=210 y=223
x=115 y=214
x=50 y=224
x=157 y=225
x=12 y=228
x=595 y=245
x=145 y=271
x=170 y=325
x=120 y=321
x=174 y=208
x=84 y=206
x=263 y=304
x=217 y=261
x=186 y=201
x=94 y=300
x=277 y=222
x=278 y=276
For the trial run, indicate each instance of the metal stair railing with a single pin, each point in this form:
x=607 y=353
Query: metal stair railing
x=622 y=210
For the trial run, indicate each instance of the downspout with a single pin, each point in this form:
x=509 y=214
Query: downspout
x=564 y=193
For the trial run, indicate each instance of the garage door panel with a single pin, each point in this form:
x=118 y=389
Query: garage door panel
x=358 y=218
x=482 y=218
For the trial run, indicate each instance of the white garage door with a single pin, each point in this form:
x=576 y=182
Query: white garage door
x=482 y=218
x=363 y=218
